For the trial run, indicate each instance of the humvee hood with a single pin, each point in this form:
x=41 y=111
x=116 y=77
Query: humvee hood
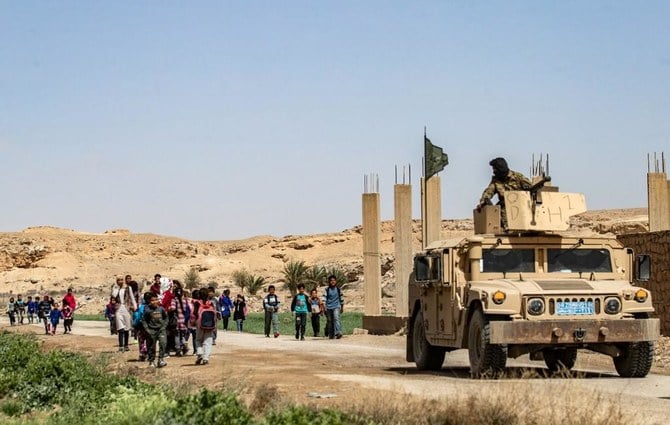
x=558 y=286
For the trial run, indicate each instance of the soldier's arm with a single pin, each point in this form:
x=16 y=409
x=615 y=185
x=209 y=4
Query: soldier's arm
x=488 y=193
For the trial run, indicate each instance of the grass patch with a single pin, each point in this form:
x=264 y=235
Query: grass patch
x=91 y=317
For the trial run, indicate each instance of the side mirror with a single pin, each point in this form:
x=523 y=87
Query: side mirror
x=643 y=267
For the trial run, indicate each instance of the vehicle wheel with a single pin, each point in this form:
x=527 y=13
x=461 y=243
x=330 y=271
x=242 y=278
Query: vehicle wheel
x=426 y=356
x=485 y=358
x=560 y=359
x=635 y=359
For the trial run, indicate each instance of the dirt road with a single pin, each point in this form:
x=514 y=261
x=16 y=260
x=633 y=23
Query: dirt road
x=341 y=370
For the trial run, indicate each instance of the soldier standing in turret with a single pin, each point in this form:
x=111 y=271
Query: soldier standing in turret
x=503 y=179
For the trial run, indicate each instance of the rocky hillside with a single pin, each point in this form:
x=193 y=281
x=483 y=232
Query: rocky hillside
x=46 y=259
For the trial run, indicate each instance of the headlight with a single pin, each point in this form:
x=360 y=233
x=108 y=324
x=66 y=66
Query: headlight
x=535 y=306
x=498 y=297
x=641 y=295
x=612 y=305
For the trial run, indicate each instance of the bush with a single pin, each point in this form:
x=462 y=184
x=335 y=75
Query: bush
x=192 y=279
x=241 y=278
x=207 y=407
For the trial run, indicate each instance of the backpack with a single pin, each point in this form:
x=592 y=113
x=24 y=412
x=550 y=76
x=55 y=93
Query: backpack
x=206 y=316
x=137 y=317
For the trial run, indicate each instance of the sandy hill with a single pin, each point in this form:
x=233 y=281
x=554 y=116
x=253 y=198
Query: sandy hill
x=47 y=259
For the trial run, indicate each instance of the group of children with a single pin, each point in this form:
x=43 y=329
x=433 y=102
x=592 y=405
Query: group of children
x=45 y=310
x=303 y=305
x=169 y=318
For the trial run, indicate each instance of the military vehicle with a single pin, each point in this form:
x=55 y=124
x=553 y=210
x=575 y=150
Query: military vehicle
x=531 y=288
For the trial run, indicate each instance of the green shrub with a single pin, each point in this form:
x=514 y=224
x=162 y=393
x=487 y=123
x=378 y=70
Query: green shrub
x=192 y=279
x=240 y=278
x=207 y=407
x=300 y=415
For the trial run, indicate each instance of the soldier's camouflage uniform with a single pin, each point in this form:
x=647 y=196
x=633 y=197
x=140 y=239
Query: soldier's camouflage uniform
x=515 y=181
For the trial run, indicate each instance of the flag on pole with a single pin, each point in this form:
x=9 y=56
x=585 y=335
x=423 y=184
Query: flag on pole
x=434 y=158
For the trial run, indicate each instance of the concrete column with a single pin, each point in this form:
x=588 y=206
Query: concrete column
x=403 y=246
x=431 y=209
x=658 y=200
x=371 y=255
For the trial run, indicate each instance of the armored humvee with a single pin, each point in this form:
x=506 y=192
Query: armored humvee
x=529 y=289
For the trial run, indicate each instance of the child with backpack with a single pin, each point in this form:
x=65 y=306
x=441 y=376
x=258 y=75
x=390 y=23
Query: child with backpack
x=204 y=315
x=67 y=315
x=239 y=312
x=271 y=308
x=154 y=323
x=140 y=332
x=54 y=317
x=11 y=311
x=226 y=305
x=180 y=313
x=317 y=308
x=110 y=314
x=32 y=309
x=43 y=313
x=300 y=306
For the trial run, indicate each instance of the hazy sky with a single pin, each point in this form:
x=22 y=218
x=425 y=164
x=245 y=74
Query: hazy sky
x=223 y=120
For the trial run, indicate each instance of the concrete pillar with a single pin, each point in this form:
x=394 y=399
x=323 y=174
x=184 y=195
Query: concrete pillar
x=403 y=245
x=658 y=200
x=431 y=210
x=371 y=255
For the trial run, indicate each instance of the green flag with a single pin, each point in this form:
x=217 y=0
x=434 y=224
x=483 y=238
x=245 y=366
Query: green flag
x=435 y=159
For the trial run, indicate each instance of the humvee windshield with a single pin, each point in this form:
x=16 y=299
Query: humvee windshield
x=499 y=260
x=579 y=260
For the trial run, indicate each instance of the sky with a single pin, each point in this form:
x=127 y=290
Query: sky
x=221 y=120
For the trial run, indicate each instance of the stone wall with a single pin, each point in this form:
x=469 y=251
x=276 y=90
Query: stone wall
x=657 y=245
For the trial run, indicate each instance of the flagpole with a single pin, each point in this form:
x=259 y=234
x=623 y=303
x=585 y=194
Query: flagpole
x=424 y=222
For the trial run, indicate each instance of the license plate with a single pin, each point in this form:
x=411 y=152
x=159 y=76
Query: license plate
x=575 y=308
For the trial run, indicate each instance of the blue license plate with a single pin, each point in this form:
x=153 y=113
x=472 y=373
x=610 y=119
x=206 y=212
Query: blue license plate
x=575 y=308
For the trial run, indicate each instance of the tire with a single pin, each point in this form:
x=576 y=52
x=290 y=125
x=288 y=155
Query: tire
x=560 y=359
x=426 y=356
x=486 y=359
x=635 y=359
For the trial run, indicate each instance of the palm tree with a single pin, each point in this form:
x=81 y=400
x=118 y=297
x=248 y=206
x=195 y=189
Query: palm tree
x=254 y=283
x=294 y=273
x=340 y=275
x=315 y=276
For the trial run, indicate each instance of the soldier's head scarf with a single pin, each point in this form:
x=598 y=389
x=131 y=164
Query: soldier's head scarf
x=500 y=168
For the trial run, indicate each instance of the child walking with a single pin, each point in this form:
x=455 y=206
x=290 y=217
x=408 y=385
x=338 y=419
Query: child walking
x=181 y=311
x=110 y=314
x=67 y=315
x=240 y=312
x=226 y=305
x=271 y=308
x=204 y=314
x=154 y=322
x=54 y=317
x=300 y=306
x=317 y=310
x=11 y=311
x=44 y=312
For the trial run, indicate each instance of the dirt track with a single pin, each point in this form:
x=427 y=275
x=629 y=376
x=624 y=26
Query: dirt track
x=362 y=363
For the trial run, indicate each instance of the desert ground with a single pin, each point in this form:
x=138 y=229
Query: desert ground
x=372 y=370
